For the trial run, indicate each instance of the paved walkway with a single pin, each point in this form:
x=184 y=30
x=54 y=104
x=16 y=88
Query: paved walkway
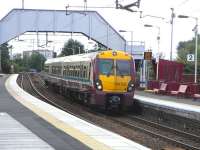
x=168 y=97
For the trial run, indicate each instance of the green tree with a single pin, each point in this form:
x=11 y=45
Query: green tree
x=19 y=65
x=184 y=48
x=36 y=61
x=5 y=58
x=72 y=47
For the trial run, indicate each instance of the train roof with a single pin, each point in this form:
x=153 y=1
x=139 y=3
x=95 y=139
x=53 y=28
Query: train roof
x=84 y=57
x=81 y=57
x=54 y=60
x=72 y=58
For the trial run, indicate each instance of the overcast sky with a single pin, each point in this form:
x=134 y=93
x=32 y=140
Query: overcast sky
x=124 y=20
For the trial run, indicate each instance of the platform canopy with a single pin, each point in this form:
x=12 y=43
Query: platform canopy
x=89 y=23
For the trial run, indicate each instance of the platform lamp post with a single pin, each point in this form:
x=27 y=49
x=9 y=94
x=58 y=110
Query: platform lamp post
x=131 y=38
x=196 y=44
x=158 y=39
x=22 y=4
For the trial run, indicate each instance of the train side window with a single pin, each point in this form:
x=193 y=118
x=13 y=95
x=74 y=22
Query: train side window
x=67 y=71
x=78 y=71
x=52 y=69
x=64 y=71
x=75 y=71
x=70 y=71
x=81 y=71
x=84 y=72
x=59 y=70
x=88 y=71
x=74 y=75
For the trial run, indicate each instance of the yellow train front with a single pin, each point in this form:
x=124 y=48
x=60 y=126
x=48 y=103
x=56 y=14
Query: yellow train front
x=114 y=80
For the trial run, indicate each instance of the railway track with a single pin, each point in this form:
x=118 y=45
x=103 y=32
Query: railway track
x=42 y=94
x=173 y=136
x=26 y=84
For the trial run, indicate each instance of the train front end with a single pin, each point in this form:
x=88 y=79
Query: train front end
x=114 y=80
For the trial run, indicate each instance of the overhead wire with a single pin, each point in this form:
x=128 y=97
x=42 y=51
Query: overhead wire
x=183 y=3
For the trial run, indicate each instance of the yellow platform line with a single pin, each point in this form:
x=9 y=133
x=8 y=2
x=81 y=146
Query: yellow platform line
x=82 y=137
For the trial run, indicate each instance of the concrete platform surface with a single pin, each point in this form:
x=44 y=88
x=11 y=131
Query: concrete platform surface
x=13 y=135
x=185 y=107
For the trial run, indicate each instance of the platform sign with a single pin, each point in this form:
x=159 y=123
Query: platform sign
x=190 y=57
x=147 y=55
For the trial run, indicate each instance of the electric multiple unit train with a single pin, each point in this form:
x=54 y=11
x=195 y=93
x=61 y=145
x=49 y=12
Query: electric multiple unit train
x=104 y=79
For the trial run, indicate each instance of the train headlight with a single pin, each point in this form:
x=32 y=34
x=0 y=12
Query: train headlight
x=98 y=85
x=130 y=89
x=130 y=86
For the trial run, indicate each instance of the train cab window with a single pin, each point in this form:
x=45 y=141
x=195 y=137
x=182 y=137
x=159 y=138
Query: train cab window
x=106 y=66
x=123 y=67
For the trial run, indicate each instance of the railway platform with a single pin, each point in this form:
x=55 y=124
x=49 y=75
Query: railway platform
x=185 y=107
x=30 y=121
x=22 y=129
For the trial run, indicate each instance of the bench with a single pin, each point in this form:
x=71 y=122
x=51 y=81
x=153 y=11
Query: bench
x=163 y=88
x=181 y=90
x=196 y=96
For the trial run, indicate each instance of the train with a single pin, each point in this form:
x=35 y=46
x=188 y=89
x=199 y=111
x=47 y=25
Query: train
x=104 y=79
